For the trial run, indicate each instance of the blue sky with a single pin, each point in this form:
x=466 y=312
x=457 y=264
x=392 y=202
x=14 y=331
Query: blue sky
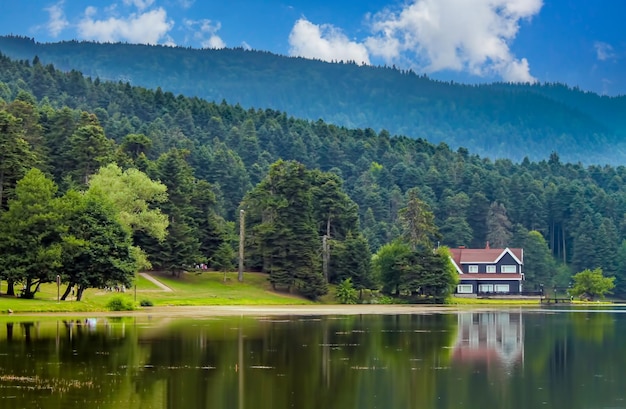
x=577 y=42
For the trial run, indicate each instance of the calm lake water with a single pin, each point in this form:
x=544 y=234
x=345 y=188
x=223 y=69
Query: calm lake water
x=508 y=359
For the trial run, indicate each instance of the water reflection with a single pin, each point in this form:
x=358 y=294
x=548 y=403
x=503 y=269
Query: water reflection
x=507 y=359
x=491 y=338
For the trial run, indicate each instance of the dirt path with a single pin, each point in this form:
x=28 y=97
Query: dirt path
x=156 y=282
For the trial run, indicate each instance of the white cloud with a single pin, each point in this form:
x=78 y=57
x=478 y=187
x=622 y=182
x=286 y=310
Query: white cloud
x=604 y=51
x=460 y=35
x=324 y=42
x=57 y=21
x=147 y=28
x=140 y=4
x=246 y=46
x=205 y=32
x=186 y=3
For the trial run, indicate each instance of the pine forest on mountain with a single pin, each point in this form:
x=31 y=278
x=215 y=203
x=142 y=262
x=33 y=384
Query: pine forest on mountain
x=296 y=179
x=500 y=120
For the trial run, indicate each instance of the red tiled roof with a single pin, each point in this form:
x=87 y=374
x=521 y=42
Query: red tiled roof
x=465 y=256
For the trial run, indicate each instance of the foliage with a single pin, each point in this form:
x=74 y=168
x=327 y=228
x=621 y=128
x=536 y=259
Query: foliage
x=16 y=155
x=356 y=181
x=98 y=250
x=351 y=258
x=346 y=293
x=280 y=209
x=31 y=234
x=539 y=266
x=548 y=117
x=146 y=303
x=383 y=299
x=135 y=196
x=223 y=258
x=592 y=284
x=418 y=222
x=120 y=303
x=387 y=269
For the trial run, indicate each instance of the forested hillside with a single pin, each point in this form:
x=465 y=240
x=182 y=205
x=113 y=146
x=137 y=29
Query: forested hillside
x=496 y=121
x=315 y=179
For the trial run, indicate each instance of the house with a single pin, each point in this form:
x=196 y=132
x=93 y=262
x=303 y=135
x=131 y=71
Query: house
x=489 y=270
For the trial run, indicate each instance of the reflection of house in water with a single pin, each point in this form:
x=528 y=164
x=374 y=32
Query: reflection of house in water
x=491 y=338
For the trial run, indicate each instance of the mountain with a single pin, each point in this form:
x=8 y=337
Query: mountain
x=497 y=120
x=211 y=156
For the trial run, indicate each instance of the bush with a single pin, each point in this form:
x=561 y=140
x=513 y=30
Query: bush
x=346 y=294
x=119 y=303
x=146 y=303
x=382 y=299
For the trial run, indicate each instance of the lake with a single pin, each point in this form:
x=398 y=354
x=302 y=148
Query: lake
x=553 y=358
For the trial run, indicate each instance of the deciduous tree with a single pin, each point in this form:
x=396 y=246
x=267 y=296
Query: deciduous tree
x=592 y=284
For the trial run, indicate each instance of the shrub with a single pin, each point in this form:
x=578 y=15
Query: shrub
x=146 y=303
x=346 y=294
x=119 y=303
x=382 y=299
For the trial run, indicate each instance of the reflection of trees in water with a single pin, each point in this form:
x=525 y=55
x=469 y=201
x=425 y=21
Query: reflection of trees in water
x=304 y=362
x=518 y=360
x=56 y=362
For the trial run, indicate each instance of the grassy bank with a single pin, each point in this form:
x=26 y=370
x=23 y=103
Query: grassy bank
x=207 y=288
x=199 y=289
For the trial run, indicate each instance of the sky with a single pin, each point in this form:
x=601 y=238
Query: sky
x=581 y=43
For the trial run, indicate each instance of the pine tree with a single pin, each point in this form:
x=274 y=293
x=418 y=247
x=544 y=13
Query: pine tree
x=16 y=155
x=284 y=234
x=498 y=226
x=418 y=222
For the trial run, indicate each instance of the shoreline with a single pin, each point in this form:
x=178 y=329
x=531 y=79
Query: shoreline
x=272 y=310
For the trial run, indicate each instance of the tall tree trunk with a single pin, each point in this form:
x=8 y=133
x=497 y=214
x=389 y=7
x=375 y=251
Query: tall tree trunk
x=328 y=225
x=67 y=291
x=79 y=293
x=564 y=250
x=10 y=287
x=325 y=257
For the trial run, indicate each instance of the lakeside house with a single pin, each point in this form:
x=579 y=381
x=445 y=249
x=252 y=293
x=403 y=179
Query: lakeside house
x=489 y=271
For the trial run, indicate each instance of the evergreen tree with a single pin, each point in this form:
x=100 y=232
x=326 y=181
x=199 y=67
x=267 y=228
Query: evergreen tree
x=31 y=232
x=88 y=149
x=351 y=259
x=280 y=211
x=620 y=275
x=16 y=155
x=418 y=222
x=181 y=248
x=539 y=265
x=498 y=226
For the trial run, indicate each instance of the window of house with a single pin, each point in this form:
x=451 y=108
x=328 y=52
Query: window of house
x=485 y=288
x=464 y=289
x=473 y=269
x=508 y=269
x=491 y=269
x=501 y=288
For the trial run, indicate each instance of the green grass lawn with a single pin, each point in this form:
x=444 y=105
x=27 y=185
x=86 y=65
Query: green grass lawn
x=206 y=288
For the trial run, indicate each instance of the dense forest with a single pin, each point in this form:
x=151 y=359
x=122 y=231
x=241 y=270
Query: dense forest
x=296 y=180
x=496 y=120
